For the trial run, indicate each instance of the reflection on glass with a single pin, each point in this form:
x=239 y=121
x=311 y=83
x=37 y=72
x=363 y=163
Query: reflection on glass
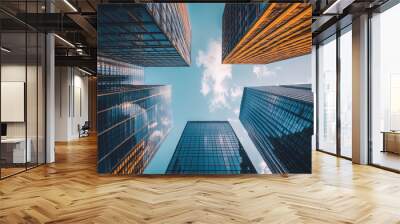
x=31 y=98
x=327 y=95
x=346 y=92
x=13 y=86
x=22 y=91
x=385 y=84
x=41 y=99
x=394 y=102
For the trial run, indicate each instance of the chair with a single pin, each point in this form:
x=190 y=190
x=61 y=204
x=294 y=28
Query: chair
x=84 y=130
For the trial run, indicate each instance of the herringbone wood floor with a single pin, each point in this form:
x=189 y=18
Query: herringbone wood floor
x=70 y=191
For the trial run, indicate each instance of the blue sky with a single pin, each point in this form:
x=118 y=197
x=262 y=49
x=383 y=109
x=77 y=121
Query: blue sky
x=209 y=90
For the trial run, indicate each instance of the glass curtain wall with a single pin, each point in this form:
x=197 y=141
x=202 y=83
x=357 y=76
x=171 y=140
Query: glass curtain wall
x=327 y=95
x=346 y=92
x=335 y=94
x=385 y=89
x=22 y=87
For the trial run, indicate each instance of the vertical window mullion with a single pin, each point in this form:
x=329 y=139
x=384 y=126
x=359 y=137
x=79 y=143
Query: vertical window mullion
x=0 y=88
x=26 y=85
x=37 y=90
x=317 y=96
x=338 y=75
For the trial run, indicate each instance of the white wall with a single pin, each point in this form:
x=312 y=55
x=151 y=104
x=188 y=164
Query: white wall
x=79 y=117
x=62 y=81
x=33 y=126
x=16 y=73
x=10 y=73
x=70 y=83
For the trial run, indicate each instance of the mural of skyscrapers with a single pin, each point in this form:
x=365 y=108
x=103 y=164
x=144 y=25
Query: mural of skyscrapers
x=209 y=147
x=262 y=33
x=133 y=119
x=279 y=121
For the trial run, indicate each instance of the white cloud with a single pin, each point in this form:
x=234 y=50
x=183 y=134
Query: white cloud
x=262 y=71
x=166 y=121
x=236 y=92
x=215 y=75
x=236 y=111
x=231 y=120
x=156 y=135
x=205 y=89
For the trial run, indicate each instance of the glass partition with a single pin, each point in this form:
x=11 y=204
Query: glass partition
x=13 y=93
x=22 y=77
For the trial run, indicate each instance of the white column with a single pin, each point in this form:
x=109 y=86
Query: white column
x=360 y=90
x=50 y=92
x=50 y=99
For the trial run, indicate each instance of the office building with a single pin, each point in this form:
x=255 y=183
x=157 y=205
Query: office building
x=261 y=33
x=114 y=75
x=279 y=121
x=132 y=123
x=209 y=147
x=149 y=35
x=133 y=118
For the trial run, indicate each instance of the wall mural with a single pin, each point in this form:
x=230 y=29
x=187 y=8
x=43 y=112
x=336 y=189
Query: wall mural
x=172 y=100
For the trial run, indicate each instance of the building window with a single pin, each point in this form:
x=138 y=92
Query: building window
x=385 y=89
x=346 y=92
x=327 y=95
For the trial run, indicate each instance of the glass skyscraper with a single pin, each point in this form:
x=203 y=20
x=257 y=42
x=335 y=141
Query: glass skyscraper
x=115 y=75
x=209 y=147
x=148 y=35
x=237 y=19
x=132 y=123
x=261 y=33
x=279 y=121
x=133 y=119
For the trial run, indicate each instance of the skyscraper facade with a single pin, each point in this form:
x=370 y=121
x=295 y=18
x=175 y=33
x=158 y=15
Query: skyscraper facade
x=148 y=35
x=209 y=147
x=113 y=75
x=262 y=33
x=279 y=121
x=132 y=123
x=133 y=119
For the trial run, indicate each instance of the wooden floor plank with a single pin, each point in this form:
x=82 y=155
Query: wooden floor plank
x=70 y=191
